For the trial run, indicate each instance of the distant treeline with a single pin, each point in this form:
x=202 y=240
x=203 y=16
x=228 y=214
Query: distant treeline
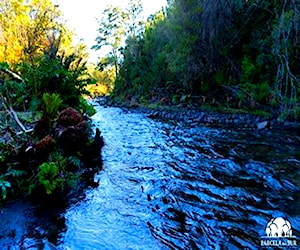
x=236 y=53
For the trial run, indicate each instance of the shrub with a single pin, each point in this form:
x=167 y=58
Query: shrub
x=69 y=117
x=86 y=108
x=52 y=102
x=48 y=177
x=4 y=185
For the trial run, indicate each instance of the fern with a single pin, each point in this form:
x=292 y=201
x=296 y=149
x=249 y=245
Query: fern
x=75 y=161
x=86 y=108
x=48 y=177
x=4 y=184
x=52 y=102
x=15 y=173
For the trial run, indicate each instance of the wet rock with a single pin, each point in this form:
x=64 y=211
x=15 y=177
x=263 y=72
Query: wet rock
x=153 y=115
x=263 y=125
x=29 y=243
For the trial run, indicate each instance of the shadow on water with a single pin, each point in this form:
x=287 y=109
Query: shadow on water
x=181 y=186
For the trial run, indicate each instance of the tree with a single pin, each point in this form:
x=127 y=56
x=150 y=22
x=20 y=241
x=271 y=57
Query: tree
x=37 y=45
x=14 y=21
x=286 y=40
x=243 y=51
x=110 y=34
x=134 y=22
x=26 y=28
x=143 y=69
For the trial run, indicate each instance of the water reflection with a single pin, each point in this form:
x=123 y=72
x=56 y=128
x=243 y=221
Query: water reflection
x=175 y=186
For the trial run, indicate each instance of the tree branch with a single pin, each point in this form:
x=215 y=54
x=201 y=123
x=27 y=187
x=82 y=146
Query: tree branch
x=16 y=118
x=12 y=74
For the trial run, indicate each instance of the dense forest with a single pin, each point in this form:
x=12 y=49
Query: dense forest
x=224 y=54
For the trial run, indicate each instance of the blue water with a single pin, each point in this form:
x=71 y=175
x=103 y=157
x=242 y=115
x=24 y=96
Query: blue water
x=172 y=186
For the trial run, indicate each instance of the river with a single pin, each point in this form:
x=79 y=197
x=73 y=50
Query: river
x=168 y=185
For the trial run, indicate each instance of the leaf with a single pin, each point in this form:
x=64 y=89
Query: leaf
x=75 y=161
x=6 y=183
x=4 y=192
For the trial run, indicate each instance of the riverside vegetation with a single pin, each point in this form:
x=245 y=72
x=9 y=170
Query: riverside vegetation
x=45 y=132
x=226 y=55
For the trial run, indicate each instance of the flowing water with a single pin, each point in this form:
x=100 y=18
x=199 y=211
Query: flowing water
x=184 y=186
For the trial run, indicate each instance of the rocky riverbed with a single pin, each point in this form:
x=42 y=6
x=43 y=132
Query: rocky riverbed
x=194 y=115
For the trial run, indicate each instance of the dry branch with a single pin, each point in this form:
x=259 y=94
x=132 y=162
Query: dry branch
x=12 y=74
x=14 y=115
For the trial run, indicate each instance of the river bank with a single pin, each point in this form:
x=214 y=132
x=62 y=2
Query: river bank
x=193 y=114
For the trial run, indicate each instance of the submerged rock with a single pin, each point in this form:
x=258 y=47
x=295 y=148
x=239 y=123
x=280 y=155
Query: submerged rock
x=263 y=125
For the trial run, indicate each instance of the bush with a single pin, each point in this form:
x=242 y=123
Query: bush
x=52 y=102
x=48 y=177
x=66 y=76
x=86 y=108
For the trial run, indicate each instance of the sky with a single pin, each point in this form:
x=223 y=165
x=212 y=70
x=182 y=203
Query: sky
x=81 y=17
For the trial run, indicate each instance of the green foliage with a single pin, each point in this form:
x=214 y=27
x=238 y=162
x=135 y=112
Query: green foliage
x=39 y=71
x=4 y=185
x=110 y=33
x=64 y=75
x=48 y=177
x=65 y=164
x=52 y=102
x=75 y=161
x=86 y=108
x=59 y=160
x=202 y=48
x=26 y=27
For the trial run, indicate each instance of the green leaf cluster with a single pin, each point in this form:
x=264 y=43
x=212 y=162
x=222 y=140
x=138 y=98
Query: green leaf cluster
x=86 y=108
x=52 y=102
x=4 y=185
x=48 y=177
x=6 y=182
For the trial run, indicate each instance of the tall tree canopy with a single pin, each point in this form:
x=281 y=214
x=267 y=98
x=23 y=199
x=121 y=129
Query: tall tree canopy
x=115 y=23
x=241 y=53
x=35 y=43
x=27 y=28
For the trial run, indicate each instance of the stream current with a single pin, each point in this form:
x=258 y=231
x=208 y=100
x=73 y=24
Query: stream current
x=174 y=185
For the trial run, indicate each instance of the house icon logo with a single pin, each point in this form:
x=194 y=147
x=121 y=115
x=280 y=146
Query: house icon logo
x=279 y=227
x=279 y=234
